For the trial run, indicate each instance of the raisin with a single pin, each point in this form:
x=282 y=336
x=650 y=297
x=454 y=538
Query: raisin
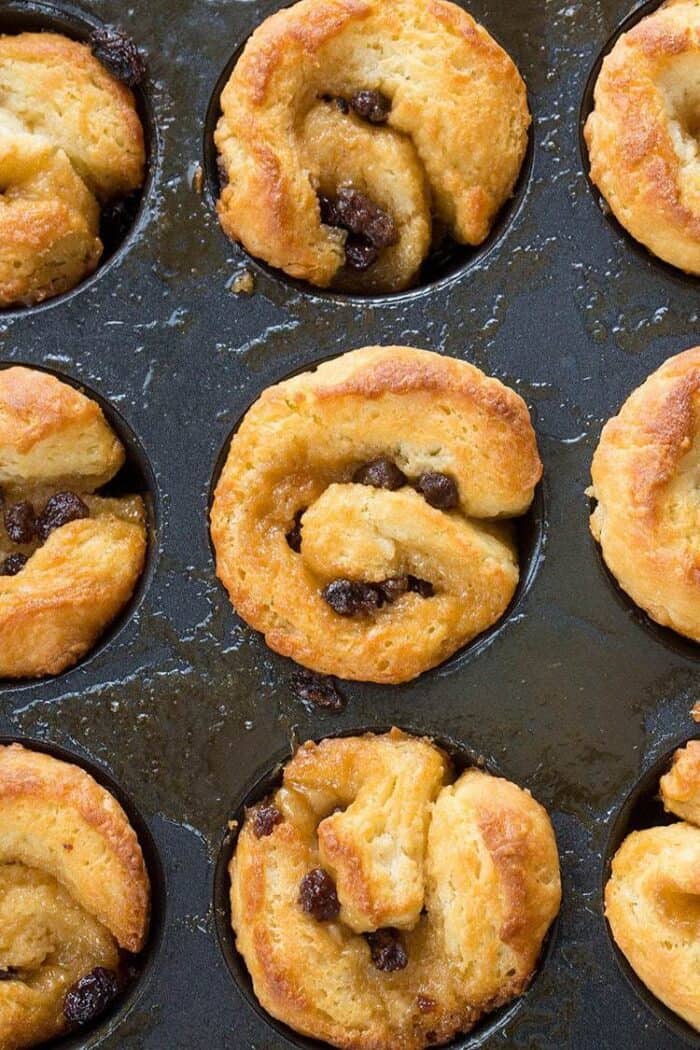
x=89 y=997
x=381 y=473
x=361 y=216
x=317 y=690
x=119 y=54
x=13 y=564
x=265 y=818
x=425 y=1004
x=20 y=522
x=317 y=896
x=393 y=588
x=348 y=598
x=329 y=213
x=61 y=509
x=438 y=490
x=339 y=101
x=387 y=950
x=372 y=106
x=360 y=255
x=422 y=587
x=9 y=974
x=293 y=537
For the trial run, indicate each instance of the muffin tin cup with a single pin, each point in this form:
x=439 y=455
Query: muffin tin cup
x=568 y=695
x=117 y=234
x=136 y=478
x=143 y=964
x=642 y=808
x=264 y=783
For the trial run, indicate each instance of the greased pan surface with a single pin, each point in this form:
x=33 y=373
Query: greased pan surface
x=575 y=695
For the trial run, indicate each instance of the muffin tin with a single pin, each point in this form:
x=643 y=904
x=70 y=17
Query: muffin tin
x=575 y=694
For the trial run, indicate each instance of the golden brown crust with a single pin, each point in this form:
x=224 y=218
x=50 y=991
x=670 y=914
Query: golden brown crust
x=470 y=871
x=70 y=136
x=54 y=816
x=642 y=135
x=644 y=478
x=53 y=438
x=680 y=787
x=458 y=104
x=297 y=450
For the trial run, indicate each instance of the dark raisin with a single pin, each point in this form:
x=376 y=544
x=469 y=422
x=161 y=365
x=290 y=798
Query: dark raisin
x=222 y=172
x=338 y=100
x=317 y=690
x=393 y=588
x=387 y=950
x=117 y=217
x=317 y=896
x=422 y=587
x=61 y=509
x=9 y=974
x=293 y=537
x=361 y=216
x=381 y=473
x=20 y=522
x=119 y=54
x=329 y=214
x=372 y=106
x=13 y=564
x=438 y=490
x=90 y=996
x=265 y=819
x=360 y=255
x=425 y=1004
x=348 y=598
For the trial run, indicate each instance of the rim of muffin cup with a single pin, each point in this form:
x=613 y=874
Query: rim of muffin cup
x=136 y=477
x=444 y=266
x=17 y=16
x=265 y=780
x=531 y=528
x=642 y=808
x=145 y=962
x=623 y=236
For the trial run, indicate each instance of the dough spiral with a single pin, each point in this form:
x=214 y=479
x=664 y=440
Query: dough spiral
x=380 y=583
x=409 y=102
x=70 y=141
x=74 y=890
x=438 y=893
x=643 y=135
x=645 y=478
x=64 y=576
x=652 y=900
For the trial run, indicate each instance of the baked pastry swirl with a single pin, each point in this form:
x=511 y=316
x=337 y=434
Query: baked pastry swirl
x=69 y=559
x=379 y=902
x=652 y=900
x=355 y=132
x=357 y=520
x=645 y=478
x=74 y=892
x=70 y=141
x=643 y=135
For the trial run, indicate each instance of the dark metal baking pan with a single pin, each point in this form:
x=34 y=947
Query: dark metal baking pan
x=575 y=694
